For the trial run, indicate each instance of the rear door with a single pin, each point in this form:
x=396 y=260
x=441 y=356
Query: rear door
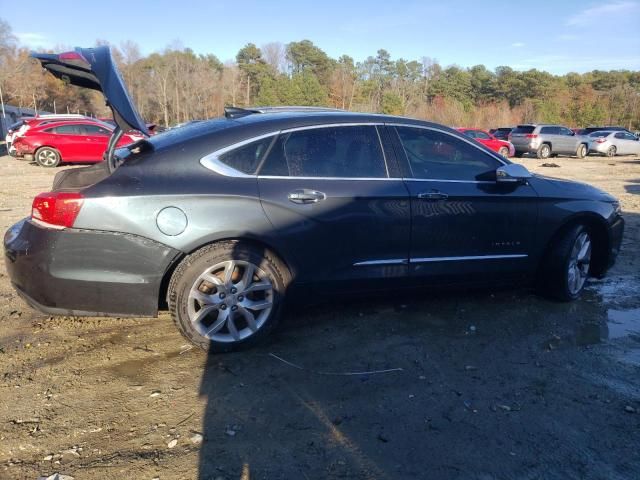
x=568 y=140
x=96 y=139
x=465 y=226
x=68 y=140
x=337 y=203
x=627 y=143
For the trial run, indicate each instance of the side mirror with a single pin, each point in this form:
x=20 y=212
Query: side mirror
x=512 y=173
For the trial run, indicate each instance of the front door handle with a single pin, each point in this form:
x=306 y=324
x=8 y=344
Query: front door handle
x=306 y=196
x=433 y=195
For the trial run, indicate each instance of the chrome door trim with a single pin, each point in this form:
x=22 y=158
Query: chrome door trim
x=467 y=257
x=386 y=179
x=393 y=261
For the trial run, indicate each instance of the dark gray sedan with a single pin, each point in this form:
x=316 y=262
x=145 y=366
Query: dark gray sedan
x=224 y=219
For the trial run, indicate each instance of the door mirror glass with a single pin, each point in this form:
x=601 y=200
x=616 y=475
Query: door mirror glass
x=512 y=173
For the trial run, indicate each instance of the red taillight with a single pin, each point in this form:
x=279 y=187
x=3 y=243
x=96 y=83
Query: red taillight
x=601 y=140
x=72 y=56
x=531 y=135
x=57 y=208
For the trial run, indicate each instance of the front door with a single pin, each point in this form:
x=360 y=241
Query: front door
x=464 y=224
x=328 y=193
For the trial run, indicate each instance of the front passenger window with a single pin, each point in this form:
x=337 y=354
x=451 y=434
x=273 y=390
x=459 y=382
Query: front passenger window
x=442 y=156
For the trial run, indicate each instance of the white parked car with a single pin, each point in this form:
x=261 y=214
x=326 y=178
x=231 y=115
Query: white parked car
x=611 y=143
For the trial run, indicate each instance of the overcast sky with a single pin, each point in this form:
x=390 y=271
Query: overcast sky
x=558 y=36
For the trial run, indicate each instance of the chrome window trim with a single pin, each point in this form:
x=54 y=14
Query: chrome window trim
x=212 y=160
x=330 y=125
x=468 y=257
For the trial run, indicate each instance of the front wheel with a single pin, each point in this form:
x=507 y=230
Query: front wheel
x=581 y=152
x=227 y=295
x=544 y=151
x=566 y=267
x=47 y=157
x=504 y=151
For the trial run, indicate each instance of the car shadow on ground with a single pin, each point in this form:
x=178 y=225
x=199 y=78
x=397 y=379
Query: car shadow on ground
x=461 y=384
x=633 y=186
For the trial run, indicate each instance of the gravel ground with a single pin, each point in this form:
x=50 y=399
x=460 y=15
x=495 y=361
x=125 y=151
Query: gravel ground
x=482 y=385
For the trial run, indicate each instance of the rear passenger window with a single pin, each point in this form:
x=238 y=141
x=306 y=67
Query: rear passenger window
x=246 y=158
x=440 y=156
x=550 y=130
x=67 y=129
x=345 y=152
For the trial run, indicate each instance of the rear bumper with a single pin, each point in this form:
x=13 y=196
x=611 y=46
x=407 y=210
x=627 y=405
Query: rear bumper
x=86 y=272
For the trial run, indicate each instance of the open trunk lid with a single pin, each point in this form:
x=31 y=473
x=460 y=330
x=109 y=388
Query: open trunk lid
x=94 y=68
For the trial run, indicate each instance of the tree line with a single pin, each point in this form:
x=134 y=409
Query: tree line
x=177 y=85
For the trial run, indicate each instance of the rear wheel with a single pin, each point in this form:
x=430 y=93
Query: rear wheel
x=504 y=151
x=227 y=295
x=566 y=267
x=581 y=152
x=544 y=151
x=611 y=151
x=47 y=157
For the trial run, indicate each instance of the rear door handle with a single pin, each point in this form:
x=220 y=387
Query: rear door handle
x=433 y=195
x=305 y=195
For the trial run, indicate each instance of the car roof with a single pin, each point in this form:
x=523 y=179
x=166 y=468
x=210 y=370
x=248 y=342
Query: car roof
x=256 y=123
x=77 y=121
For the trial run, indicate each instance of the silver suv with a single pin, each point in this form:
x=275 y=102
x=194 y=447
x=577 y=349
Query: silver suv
x=548 y=140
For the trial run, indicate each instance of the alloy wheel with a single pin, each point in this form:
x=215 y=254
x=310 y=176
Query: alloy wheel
x=230 y=301
x=47 y=158
x=579 y=260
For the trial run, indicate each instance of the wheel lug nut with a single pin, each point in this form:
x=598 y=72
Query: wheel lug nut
x=222 y=295
x=223 y=306
x=234 y=290
x=240 y=298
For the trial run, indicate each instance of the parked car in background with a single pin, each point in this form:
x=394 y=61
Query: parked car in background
x=503 y=147
x=12 y=132
x=548 y=140
x=30 y=122
x=501 y=133
x=226 y=218
x=590 y=130
x=53 y=142
x=612 y=143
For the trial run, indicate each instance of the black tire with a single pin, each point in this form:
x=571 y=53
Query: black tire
x=582 y=151
x=504 y=151
x=553 y=281
x=611 y=151
x=189 y=272
x=544 y=151
x=519 y=154
x=47 y=157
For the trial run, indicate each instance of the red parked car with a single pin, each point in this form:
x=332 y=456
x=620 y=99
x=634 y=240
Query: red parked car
x=50 y=144
x=503 y=147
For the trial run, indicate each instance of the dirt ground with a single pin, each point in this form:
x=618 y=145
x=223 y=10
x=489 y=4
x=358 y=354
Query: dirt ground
x=478 y=385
